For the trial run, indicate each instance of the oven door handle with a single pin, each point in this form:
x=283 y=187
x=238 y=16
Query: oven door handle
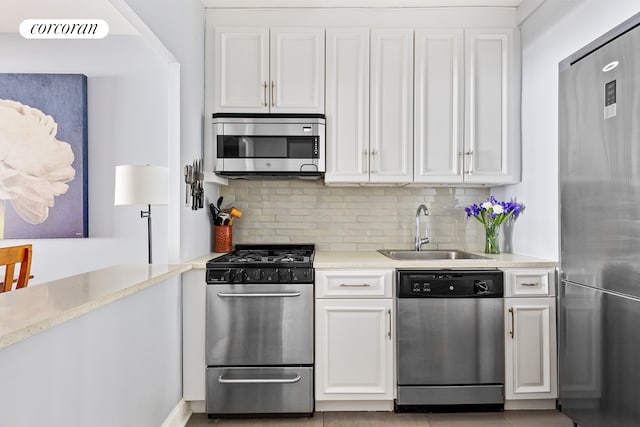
x=297 y=378
x=255 y=295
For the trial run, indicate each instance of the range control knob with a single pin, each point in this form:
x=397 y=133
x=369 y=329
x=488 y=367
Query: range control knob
x=272 y=276
x=242 y=275
x=286 y=275
x=228 y=276
x=258 y=275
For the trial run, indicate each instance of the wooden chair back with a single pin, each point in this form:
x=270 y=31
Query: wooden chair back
x=11 y=256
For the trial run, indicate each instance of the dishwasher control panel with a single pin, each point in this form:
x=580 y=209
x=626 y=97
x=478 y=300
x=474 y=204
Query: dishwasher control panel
x=450 y=284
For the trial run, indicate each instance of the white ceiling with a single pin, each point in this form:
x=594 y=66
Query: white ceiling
x=15 y=11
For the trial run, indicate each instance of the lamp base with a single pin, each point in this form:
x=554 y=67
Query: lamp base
x=147 y=214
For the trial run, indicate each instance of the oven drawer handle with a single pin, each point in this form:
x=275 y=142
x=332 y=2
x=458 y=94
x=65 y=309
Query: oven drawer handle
x=354 y=285
x=297 y=378
x=254 y=295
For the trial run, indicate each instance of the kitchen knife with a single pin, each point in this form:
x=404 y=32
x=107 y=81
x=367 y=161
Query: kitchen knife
x=187 y=180
x=194 y=187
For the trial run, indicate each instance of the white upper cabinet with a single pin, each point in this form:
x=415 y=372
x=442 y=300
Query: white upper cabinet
x=466 y=111
x=262 y=70
x=492 y=141
x=391 y=124
x=297 y=70
x=369 y=105
x=413 y=96
x=439 y=101
x=347 y=105
x=241 y=70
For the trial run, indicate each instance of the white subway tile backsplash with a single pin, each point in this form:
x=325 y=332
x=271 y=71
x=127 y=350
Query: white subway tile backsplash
x=351 y=218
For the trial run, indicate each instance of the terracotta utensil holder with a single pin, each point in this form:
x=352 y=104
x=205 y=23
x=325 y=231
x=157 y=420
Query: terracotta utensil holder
x=223 y=238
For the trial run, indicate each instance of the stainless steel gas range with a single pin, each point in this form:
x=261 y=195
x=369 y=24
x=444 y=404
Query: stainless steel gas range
x=259 y=332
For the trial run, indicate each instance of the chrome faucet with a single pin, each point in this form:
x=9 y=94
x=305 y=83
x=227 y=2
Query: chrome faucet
x=421 y=240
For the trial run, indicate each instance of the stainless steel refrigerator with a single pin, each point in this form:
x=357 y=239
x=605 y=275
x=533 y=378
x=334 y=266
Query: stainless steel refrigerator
x=599 y=295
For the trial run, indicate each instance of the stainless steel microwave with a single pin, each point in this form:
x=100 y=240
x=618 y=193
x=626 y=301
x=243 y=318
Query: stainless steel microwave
x=268 y=145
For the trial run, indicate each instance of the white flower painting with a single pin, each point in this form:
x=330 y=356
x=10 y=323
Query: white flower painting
x=34 y=165
x=41 y=194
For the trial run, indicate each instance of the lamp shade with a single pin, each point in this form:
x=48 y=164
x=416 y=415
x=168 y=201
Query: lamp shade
x=141 y=185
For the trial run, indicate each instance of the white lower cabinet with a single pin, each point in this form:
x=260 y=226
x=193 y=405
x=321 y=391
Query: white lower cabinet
x=354 y=349
x=530 y=336
x=354 y=338
x=530 y=348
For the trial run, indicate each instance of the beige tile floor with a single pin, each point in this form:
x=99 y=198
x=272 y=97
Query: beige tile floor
x=389 y=419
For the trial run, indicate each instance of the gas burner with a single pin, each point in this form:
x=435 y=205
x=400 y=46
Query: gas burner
x=290 y=257
x=247 y=256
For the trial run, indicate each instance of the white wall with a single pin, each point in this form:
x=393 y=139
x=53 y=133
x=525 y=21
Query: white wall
x=179 y=24
x=119 y=366
x=127 y=106
x=553 y=32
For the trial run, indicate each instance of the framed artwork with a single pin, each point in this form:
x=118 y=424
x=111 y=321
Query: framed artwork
x=43 y=156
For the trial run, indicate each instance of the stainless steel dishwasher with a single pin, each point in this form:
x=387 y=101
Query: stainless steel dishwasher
x=450 y=340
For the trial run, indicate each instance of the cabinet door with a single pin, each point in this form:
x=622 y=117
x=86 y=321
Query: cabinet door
x=391 y=143
x=491 y=101
x=241 y=70
x=347 y=105
x=354 y=349
x=530 y=350
x=297 y=70
x=439 y=106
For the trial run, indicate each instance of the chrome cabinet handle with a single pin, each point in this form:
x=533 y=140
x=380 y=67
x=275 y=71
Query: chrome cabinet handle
x=273 y=93
x=347 y=285
x=265 y=85
x=297 y=378
x=461 y=162
x=373 y=161
x=389 y=331
x=366 y=160
x=254 y=295
x=513 y=324
x=470 y=154
x=529 y=284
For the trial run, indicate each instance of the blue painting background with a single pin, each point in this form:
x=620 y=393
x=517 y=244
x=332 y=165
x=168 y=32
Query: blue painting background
x=63 y=97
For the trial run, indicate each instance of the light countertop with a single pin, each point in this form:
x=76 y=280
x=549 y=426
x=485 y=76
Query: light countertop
x=31 y=310
x=374 y=259
x=201 y=262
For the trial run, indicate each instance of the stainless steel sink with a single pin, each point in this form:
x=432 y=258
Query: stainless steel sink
x=429 y=254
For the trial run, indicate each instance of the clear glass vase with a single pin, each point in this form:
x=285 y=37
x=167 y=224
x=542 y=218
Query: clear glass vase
x=492 y=239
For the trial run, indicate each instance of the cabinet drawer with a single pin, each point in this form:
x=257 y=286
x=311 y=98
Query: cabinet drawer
x=354 y=283
x=529 y=282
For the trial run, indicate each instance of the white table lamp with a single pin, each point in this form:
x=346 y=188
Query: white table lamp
x=142 y=185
